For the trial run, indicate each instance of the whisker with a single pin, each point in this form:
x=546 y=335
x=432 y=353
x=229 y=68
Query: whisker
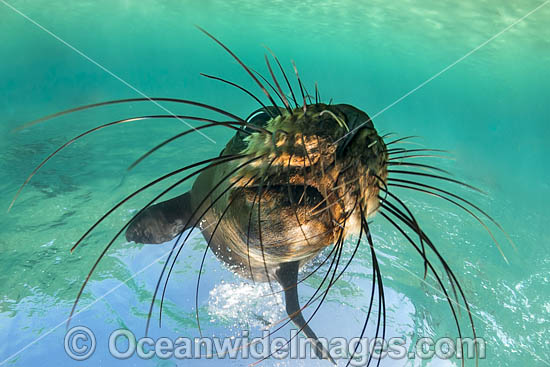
x=241 y=88
x=210 y=240
x=401 y=139
x=182 y=134
x=403 y=150
x=464 y=201
x=165 y=142
x=283 y=97
x=181 y=246
x=315 y=213
x=421 y=156
x=292 y=203
x=217 y=160
x=272 y=87
x=387 y=135
x=313 y=299
x=179 y=182
x=420 y=165
x=260 y=189
x=450 y=273
x=439 y=178
x=380 y=286
x=128 y=100
x=460 y=206
x=434 y=272
x=246 y=68
x=304 y=106
x=196 y=222
x=371 y=302
x=417 y=230
x=97 y=128
x=324 y=294
x=383 y=184
x=408 y=221
x=248 y=237
x=316 y=93
x=284 y=75
x=308 y=95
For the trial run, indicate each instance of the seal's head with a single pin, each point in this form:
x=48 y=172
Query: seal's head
x=332 y=153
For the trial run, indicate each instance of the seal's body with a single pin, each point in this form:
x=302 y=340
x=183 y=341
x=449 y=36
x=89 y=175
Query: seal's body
x=298 y=195
x=291 y=182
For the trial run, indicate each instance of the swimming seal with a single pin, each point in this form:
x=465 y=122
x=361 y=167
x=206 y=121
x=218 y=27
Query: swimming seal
x=296 y=178
x=298 y=195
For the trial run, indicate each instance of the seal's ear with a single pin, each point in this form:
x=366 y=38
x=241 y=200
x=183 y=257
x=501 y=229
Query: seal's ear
x=162 y=222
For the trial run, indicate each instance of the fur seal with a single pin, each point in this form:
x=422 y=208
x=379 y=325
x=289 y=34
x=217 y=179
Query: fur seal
x=294 y=180
x=299 y=194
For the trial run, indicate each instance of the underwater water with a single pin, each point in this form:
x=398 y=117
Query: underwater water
x=490 y=111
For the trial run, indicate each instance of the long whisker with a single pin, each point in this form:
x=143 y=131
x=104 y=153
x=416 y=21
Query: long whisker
x=182 y=134
x=246 y=68
x=291 y=198
x=316 y=93
x=284 y=75
x=260 y=189
x=210 y=240
x=383 y=182
x=409 y=222
x=371 y=295
x=413 y=219
x=196 y=222
x=303 y=279
x=340 y=246
x=434 y=272
x=450 y=273
x=337 y=244
x=463 y=208
x=392 y=158
x=217 y=160
x=97 y=128
x=271 y=86
x=464 y=201
x=439 y=178
x=327 y=207
x=313 y=299
x=420 y=165
x=304 y=106
x=179 y=182
x=285 y=101
x=248 y=237
x=403 y=150
x=241 y=88
x=165 y=142
x=128 y=100
x=401 y=139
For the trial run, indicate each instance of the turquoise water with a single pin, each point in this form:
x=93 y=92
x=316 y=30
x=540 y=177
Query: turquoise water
x=490 y=110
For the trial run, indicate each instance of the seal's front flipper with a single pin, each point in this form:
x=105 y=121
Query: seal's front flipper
x=287 y=275
x=162 y=222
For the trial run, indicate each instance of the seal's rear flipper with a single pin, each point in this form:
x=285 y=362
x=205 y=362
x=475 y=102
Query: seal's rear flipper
x=162 y=222
x=287 y=275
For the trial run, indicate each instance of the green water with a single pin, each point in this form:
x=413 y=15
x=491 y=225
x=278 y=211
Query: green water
x=490 y=111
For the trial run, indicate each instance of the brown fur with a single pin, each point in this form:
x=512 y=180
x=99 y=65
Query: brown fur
x=300 y=153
